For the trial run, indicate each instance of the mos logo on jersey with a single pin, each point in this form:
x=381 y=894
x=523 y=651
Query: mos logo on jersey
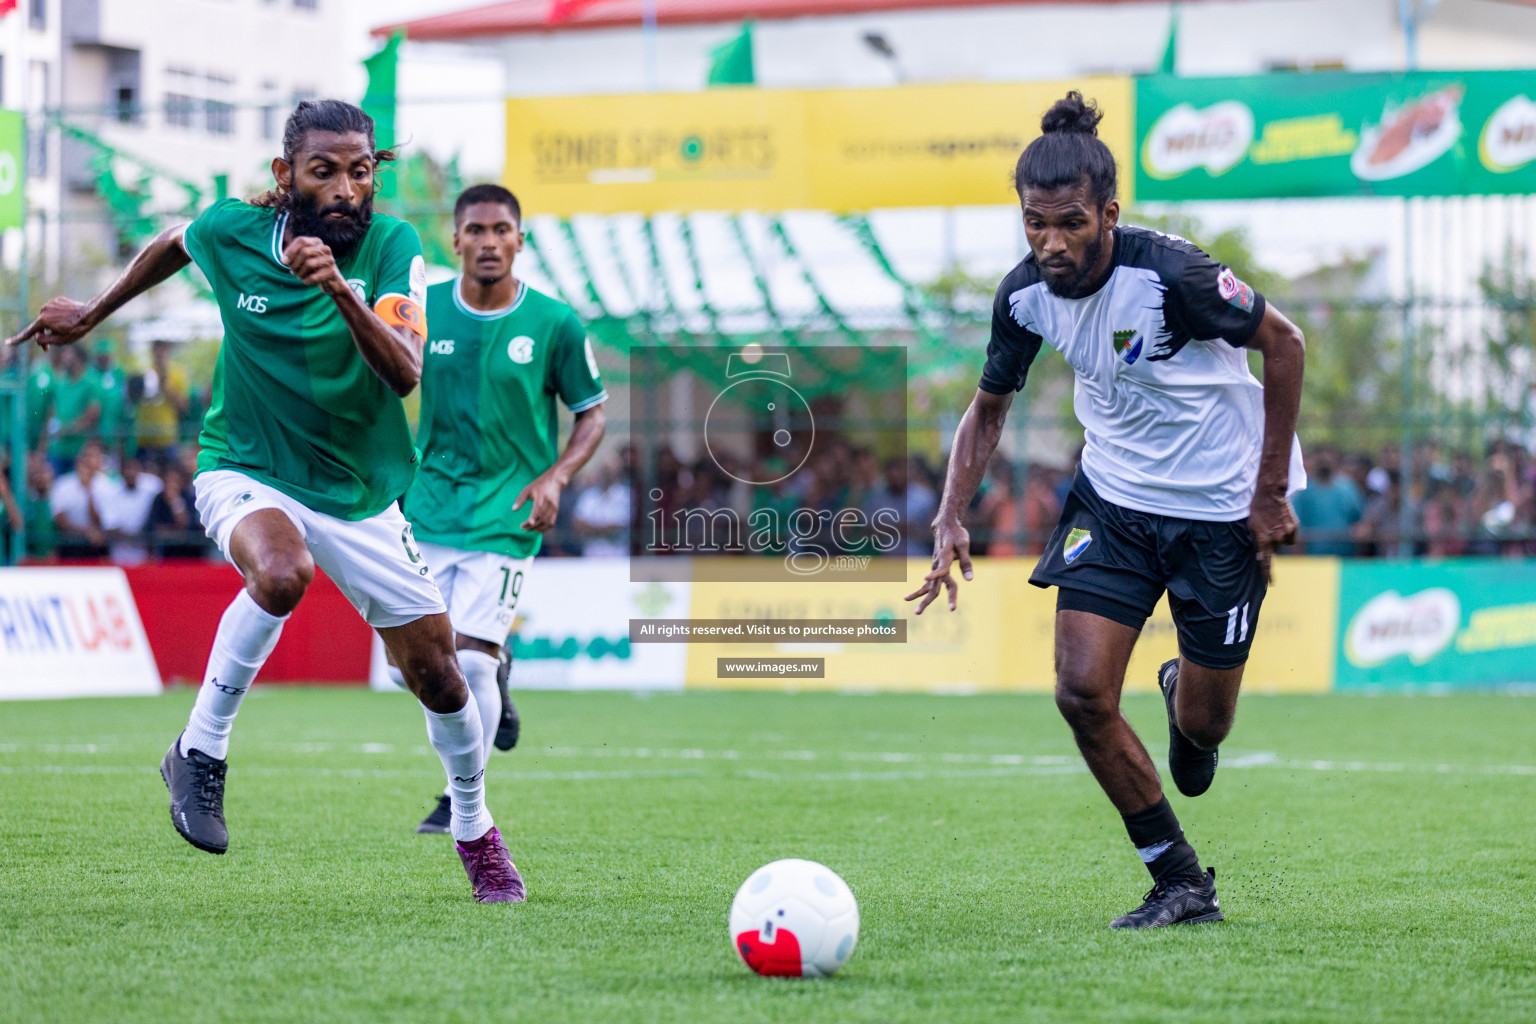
x=1077 y=542
x=441 y=347
x=520 y=349
x=252 y=303
x=1128 y=345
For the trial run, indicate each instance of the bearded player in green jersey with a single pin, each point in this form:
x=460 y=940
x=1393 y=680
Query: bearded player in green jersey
x=498 y=355
x=305 y=449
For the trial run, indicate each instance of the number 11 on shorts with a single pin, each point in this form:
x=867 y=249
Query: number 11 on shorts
x=1233 y=622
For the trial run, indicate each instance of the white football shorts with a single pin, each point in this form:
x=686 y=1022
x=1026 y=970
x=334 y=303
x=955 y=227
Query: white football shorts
x=482 y=589
x=374 y=561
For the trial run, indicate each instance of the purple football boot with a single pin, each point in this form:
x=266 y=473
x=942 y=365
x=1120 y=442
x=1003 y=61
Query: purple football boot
x=492 y=874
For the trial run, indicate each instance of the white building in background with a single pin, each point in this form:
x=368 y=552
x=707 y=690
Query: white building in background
x=601 y=48
x=190 y=91
x=457 y=61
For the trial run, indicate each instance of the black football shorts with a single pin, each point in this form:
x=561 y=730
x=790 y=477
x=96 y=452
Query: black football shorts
x=1116 y=562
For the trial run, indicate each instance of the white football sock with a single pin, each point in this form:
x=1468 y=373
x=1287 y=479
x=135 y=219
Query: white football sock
x=480 y=673
x=456 y=737
x=247 y=633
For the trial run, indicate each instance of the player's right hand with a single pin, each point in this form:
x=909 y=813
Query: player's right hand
x=951 y=543
x=312 y=262
x=60 y=322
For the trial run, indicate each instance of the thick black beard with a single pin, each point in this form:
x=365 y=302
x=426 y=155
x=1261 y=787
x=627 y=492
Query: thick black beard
x=1076 y=287
x=306 y=217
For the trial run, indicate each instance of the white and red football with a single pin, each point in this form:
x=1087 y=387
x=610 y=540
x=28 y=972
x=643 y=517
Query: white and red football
x=794 y=918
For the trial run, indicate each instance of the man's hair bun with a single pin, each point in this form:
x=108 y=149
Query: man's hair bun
x=1072 y=115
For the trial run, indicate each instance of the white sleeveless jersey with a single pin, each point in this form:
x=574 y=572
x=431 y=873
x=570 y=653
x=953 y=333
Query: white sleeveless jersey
x=1174 y=420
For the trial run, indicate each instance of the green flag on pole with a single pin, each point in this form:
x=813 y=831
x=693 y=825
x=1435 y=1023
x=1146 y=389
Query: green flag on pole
x=12 y=170
x=731 y=62
x=1170 y=64
x=379 y=100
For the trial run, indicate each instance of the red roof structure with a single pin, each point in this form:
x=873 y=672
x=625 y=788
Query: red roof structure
x=516 y=17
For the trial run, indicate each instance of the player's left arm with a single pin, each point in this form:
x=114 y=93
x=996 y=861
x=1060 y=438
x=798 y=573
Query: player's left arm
x=1210 y=301
x=1270 y=517
x=545 y=490
x=391 y=336
x=573 y=376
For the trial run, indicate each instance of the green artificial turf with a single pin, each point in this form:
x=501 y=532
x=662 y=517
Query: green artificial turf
x=1376 y=859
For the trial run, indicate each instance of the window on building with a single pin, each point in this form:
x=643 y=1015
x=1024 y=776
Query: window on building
x=221 y=117
x=181 y=103
x=127 y=104
x=38 y=96
x=219 y=111
x=178 y=109
x=37 y=14
x=268 y=111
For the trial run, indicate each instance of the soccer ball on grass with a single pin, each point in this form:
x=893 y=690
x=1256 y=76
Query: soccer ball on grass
x=794 y=918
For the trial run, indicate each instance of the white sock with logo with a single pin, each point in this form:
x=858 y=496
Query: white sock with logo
x=456 y=737
x=480 y=673
x=247 y=633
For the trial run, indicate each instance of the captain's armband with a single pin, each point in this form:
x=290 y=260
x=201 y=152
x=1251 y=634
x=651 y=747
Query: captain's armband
x=402 y=311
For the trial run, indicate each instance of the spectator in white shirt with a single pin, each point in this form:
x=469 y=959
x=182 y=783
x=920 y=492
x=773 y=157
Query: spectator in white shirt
x=126 y=513
x=602 y=515
x=77 y=500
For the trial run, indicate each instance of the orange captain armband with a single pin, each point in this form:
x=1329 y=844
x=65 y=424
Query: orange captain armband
x=402 y=311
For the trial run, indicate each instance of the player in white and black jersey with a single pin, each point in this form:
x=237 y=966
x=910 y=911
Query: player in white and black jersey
x=1184 y=485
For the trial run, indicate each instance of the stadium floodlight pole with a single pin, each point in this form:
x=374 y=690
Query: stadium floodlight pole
x=20 y=419
x=648 y=44
x=1409 y=14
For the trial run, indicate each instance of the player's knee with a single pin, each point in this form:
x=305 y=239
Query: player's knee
x=1206 y=730
x=280 y=579
x=1084 y=710
x=436 y=680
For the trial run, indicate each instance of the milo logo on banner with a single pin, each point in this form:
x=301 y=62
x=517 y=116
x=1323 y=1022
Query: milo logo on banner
x=1391 y=625
x=1184 y=138
x=1508 y=140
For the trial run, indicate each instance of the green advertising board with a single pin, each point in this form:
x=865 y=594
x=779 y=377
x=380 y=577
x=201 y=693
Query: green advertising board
x=12 y=169
x=1336 y=134
x=1468 y=622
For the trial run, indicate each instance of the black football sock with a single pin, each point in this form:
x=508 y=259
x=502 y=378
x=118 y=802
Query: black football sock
x=1161 y=844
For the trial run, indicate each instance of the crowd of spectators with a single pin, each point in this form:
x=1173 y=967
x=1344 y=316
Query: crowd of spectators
x=1450 y=503
x=110 y=460
x=111 y=456
x=1458 y=503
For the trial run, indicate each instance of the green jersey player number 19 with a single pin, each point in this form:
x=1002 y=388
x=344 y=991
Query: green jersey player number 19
x=499 y=355
x=305 y=448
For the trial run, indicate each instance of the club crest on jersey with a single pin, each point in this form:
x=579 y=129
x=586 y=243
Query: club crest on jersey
x=1234 y=291
x=359 y=288
x=1077 y=542
x=520 y=349
x=1128 y=345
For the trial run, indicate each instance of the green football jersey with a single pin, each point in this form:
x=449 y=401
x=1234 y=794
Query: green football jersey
x=72 y=396
x=293 y=404
x=489 y=424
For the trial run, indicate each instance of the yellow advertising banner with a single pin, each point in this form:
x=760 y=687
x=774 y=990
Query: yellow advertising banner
x=761 y=149
x=1002 y=637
